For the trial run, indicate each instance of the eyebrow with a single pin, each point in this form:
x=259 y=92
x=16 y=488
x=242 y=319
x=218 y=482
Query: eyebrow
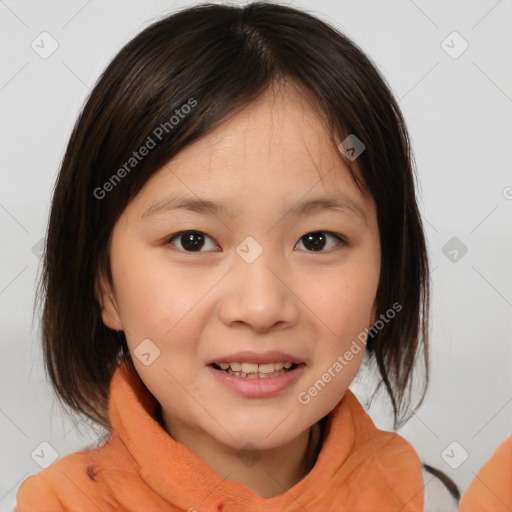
x=208 y=207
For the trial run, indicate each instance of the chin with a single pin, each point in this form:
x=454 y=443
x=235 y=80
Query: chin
x=262 y=437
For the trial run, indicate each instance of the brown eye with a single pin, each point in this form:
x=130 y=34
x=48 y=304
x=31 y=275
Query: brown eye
x=195 y=241
x=191 y=241
x=317 y=240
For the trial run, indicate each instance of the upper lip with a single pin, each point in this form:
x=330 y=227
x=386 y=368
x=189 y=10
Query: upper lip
x=248 y=356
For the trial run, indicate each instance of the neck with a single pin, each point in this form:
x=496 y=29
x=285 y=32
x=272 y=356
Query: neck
x=267 y=473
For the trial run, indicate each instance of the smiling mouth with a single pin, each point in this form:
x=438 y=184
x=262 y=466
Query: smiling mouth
x=255 y=371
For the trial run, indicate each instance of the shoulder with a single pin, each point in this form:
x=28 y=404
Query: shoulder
x=34 y=492
x=439 y=491
x=73 y=481
x=55 y=487
x=491 y=487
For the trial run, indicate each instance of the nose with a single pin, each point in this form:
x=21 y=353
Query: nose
x=259 y=295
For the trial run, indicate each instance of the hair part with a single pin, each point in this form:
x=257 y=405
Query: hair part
x=224 y=57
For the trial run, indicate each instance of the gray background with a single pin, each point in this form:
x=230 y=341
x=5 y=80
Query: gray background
x=458 y=109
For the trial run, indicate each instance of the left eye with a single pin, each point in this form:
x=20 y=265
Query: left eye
x=194 y=241
x=317 y=240
x=190 y=240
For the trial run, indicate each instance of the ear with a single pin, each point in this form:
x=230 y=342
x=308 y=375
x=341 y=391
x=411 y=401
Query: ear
x=106 y=300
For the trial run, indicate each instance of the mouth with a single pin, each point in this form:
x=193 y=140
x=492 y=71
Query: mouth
x=257 y=380
x=255 y=370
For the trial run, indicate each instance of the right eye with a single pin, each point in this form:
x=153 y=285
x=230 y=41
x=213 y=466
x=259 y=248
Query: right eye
x=191 y=241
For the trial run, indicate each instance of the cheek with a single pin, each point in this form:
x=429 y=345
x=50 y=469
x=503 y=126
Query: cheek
x=159 y=304
x=149 y=298
x=344 y=301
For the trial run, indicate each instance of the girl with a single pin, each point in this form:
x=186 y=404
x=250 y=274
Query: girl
x=233 y=228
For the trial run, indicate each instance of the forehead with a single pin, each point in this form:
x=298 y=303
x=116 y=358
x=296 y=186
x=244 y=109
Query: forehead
x=275 y=149
x=278 y=127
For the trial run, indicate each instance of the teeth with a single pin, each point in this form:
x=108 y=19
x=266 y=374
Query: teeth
x=263 y=368
x=250 y=368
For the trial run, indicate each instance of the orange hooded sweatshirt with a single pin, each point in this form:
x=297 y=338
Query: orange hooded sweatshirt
x=142 y=468
x=491 y=489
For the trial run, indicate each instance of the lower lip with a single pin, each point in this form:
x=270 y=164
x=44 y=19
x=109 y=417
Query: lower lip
x=258 y=388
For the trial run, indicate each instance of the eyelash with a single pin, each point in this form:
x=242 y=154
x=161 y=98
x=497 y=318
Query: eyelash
x=340 y=238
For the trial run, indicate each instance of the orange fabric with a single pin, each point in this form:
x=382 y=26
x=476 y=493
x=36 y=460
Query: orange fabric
x=142 y=468
x=491 y=489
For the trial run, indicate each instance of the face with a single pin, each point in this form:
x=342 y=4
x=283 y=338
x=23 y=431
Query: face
x=256 y=270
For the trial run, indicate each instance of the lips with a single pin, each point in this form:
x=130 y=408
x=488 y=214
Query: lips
x=258 y=385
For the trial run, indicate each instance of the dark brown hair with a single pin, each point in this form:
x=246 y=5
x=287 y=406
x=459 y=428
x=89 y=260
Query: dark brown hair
x=222 y=58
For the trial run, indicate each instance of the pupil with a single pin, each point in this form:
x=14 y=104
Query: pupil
x=310 y=240
x=188 y=240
